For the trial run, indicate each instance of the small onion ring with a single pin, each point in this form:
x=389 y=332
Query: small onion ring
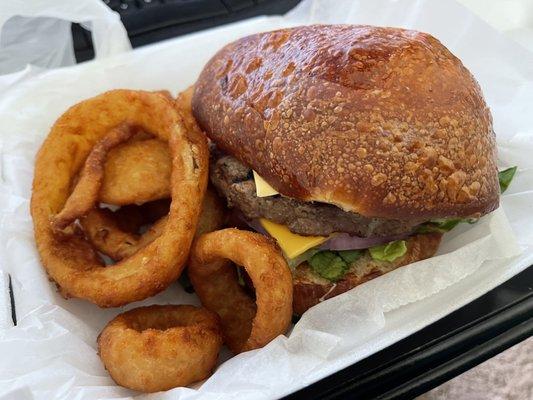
x=71 y=262
x=85 y=193
x=245 y=325
x=160 y=347
x=103 y=230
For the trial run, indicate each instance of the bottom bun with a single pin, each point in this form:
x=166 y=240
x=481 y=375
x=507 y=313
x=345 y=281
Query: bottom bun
x=310 y=289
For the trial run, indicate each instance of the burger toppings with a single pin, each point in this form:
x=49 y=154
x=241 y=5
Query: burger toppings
x=234 y=181
x=324 y=236
x=317 y=233
x=388 y=252
x=262 y=187
x=332 y=265
x=292 y=244
x=505 y=177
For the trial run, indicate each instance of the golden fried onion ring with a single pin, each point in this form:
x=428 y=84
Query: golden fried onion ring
x=103 y=230
x=160 y=347
x=139 y=171
x=85 y=193
x=245 y=325
x=71 y=262
x=136 y=172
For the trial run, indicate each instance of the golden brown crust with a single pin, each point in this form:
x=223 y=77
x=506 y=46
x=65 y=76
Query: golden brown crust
x=246 y=324
x=160 y=347
x=71 y=262
x=137 y=172
x=311 y=289
x=385 y=122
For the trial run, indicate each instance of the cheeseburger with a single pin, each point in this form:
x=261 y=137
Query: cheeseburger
x=354 y=147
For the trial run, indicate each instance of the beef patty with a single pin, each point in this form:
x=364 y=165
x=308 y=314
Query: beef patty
x=234 y=182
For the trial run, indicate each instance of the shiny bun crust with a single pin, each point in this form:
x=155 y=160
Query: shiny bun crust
x=384 y=122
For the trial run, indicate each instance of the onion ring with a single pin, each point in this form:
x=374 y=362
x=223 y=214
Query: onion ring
x=136 y=172
x=85 y=193
x=71 y=262
x=245 y=325
x=139 y=171
x=184 y=106
x=103 y=229
x=160 y=347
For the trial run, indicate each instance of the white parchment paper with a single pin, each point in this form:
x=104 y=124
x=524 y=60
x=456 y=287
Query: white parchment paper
x=51 y=353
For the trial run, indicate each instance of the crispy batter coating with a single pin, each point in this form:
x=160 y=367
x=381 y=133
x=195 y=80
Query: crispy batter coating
x=160 y=347
x=71 y=261
x=103 y=228
x=246 y=324
x=137 y=172
x=85 y=193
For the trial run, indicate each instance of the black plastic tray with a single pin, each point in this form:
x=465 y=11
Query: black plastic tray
x=439 y=352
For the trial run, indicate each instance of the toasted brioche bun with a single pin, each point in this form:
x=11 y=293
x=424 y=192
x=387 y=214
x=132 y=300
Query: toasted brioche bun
x=384 y=122
x=310 y=288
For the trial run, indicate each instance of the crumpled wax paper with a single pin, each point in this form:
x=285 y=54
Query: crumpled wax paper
x=51 y=353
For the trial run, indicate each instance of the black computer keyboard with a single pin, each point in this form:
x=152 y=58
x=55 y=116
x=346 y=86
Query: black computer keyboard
x=149 y=21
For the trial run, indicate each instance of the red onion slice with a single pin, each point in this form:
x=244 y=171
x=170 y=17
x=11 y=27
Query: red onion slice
x=345 y=241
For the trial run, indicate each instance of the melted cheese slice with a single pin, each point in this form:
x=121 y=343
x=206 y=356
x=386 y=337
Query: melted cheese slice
x=262 y=188
x=292 y=244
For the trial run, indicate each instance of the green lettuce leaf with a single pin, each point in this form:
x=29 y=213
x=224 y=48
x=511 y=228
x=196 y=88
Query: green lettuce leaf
x=440 y=225
x=388 y=252
x=329 y=265
x=505 y=177
x=350 y=256
x=305 y=256
x=443 y=225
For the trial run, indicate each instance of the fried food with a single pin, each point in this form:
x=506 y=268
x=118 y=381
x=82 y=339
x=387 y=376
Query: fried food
x=103 y=228
x=85 y=193
x=103 y=231
x=184 y=106
x=137 y=172
x=213 y=215
x=246 y=324
x=160 y=347
x=70 y=260
x=132 y=217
